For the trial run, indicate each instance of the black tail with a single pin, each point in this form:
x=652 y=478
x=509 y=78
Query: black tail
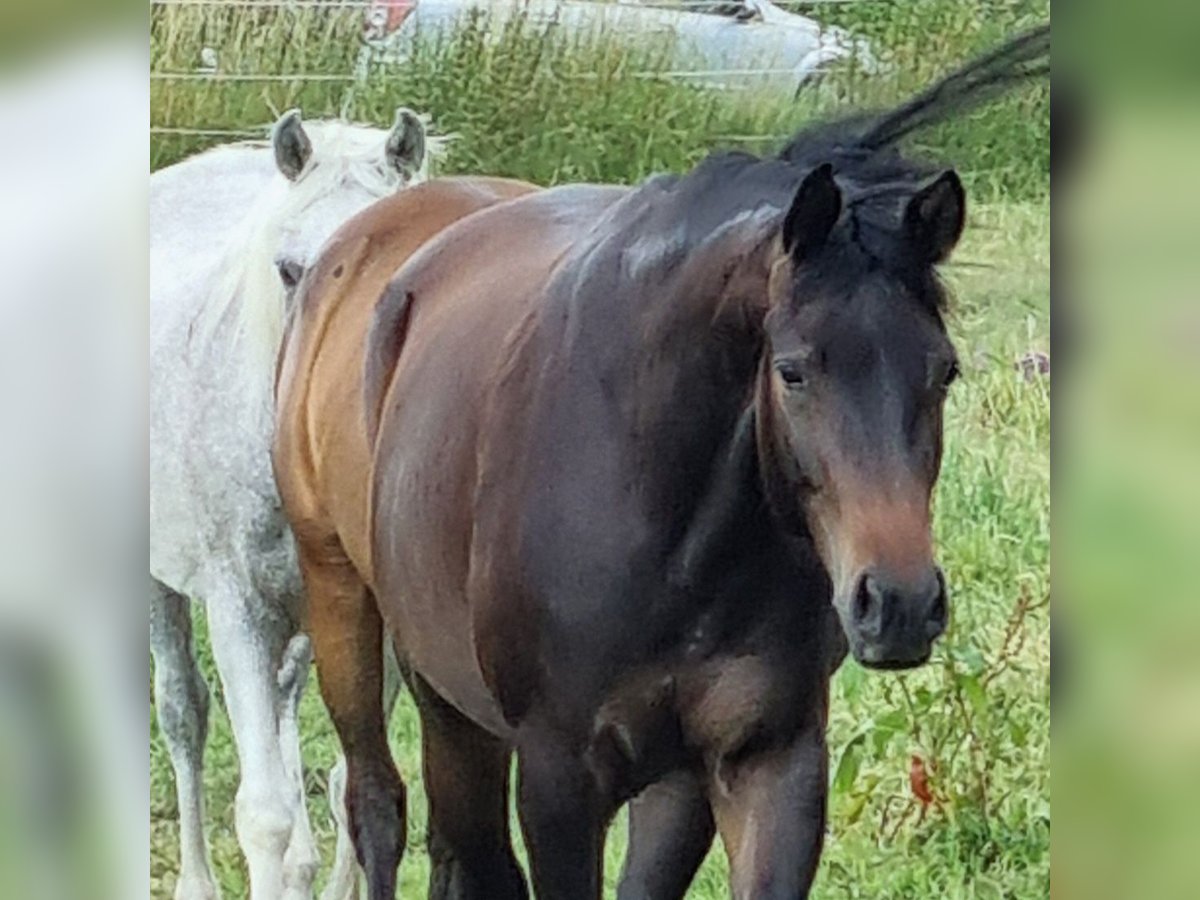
x=1016 y=62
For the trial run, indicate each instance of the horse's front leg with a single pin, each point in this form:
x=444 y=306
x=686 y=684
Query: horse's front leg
x=670 y=831
x=770 y=811
x=563 y=817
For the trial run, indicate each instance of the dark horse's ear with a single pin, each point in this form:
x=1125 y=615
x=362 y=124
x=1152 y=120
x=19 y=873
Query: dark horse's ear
x=935 y=215
x=813 y=213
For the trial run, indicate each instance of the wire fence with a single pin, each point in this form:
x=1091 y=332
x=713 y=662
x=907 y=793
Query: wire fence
x=224 y=70
x=686 y=5
x=378 y=32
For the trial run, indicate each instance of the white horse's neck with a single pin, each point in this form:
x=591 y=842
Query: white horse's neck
x=247 y=289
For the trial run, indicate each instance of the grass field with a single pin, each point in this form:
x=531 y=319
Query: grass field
x=978 y=715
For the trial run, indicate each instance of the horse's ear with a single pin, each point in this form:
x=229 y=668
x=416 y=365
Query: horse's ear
x=813 y=213
x=935 y=215
x=292 y=147
x=405 y=148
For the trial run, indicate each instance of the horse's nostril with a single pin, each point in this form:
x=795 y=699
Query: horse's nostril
x=938 y=611
x=937 y=615
x=865 y=606
x=862 y=601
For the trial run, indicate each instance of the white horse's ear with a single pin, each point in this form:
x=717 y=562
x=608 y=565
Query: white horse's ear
x=292 y=147
x=405 y=148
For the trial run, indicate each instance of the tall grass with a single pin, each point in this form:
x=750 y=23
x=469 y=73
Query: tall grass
x=550 y=107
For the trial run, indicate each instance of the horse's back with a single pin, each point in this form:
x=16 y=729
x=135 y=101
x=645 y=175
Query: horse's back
x=321 y=453
x=473 y=295
x=475 y=282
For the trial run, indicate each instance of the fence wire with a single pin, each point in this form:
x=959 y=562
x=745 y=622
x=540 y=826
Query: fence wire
x=373 y=50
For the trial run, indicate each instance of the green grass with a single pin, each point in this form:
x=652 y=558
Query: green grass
x=554 y=111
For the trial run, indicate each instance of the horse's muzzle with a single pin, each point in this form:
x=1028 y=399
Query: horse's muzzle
x=892 y=625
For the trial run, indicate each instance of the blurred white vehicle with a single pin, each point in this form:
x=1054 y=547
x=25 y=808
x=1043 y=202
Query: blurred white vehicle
x=751 y=44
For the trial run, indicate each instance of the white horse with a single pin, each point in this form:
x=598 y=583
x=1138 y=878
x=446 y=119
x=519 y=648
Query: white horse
x=231 y=230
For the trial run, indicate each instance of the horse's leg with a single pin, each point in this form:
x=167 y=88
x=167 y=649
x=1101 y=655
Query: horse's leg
x=670 y=830
x=181 y=699
x=466 y=780
x=300 y=861
x=564 y=818
x=770 y=810
x=247 y=643
x=343 y=878
x=347 y=633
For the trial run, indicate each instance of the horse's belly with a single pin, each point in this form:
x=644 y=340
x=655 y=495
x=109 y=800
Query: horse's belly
x=420 y=551
x=435 y=639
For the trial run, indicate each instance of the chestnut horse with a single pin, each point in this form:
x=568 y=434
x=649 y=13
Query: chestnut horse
x=644 y=463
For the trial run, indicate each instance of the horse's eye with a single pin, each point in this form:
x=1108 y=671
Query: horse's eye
x=791 y=373
x=951 y=376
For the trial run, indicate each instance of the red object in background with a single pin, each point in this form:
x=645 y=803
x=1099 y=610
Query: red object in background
x=918 y=778
x=384 y=17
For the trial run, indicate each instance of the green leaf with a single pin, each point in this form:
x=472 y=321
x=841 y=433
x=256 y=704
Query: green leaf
x=973 y=690
x=850 y=678
x=887 y=726
x=848 y=765
x=853 y=812
x=970 y=659
x=893 y=722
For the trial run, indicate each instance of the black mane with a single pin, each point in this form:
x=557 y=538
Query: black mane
x=876 y=178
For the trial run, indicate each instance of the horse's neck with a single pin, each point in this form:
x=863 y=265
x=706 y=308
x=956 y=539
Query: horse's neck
x=727 y=514
x=712 y=342
x=224 y=354
x=696 y=414
x=698 y=343
x=740 y=543
x=664 y=349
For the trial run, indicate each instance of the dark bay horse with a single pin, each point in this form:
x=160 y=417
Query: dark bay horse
x=644 y=464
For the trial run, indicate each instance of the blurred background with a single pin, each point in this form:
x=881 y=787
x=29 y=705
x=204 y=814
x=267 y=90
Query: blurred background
x=84 y=813
x=1127 y=440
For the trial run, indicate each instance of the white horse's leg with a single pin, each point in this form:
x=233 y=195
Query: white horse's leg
x=181 y=700
x=300 y=862
x=344 y=879
x=247 y=643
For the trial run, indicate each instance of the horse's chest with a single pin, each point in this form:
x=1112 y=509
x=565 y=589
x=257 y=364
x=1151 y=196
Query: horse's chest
x=710 y=704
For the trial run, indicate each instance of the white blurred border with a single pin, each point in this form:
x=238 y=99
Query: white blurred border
x=74 y=719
